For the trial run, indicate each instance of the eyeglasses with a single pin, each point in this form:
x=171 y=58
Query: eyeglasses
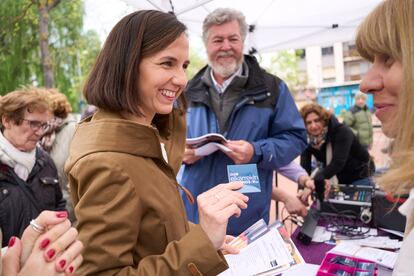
x=36 y=125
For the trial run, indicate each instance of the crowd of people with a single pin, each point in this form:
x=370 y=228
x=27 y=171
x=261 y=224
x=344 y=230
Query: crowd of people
x=113 y=176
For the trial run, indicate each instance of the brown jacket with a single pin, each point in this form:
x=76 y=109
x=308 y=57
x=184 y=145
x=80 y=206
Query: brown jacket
x=130 y=215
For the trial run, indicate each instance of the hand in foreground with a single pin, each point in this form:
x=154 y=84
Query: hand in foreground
x=55 y=252
x=190 y=157
x=295 y=206
x=227 y=247
x=242 y=151
x=304 y=195
x=216 y=206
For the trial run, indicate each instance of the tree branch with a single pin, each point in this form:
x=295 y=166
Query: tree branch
x=52 y=4
x=23 y=14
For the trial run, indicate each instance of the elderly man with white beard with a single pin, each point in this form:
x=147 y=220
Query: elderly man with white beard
x=253 y=109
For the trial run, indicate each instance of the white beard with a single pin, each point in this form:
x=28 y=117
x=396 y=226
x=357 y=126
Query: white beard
x=228 y=69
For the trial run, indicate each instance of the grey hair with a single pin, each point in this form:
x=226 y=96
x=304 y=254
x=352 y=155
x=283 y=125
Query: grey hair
x=359 y=95
x=223 y=15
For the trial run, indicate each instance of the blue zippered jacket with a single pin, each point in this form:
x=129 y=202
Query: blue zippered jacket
x=266 y=116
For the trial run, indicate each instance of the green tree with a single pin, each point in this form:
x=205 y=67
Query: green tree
x=196 y=63
x=285 y=64
x=42 y=44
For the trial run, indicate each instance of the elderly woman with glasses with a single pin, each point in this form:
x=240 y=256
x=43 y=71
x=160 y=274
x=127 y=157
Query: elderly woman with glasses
x=28 y=177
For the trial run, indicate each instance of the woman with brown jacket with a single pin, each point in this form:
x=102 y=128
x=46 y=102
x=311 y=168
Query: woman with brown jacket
x=123 y=161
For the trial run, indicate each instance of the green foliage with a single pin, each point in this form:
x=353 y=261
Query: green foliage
x=196 y=63
x=18 y=27
x=285 y=64
x=72 y=51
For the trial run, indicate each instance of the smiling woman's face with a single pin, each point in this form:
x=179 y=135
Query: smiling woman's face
x=162 y=78
x=383 y=80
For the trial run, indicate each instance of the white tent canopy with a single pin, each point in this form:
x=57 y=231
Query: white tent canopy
x=276 y=24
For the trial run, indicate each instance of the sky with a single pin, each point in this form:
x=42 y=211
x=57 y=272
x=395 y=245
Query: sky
x=102 y=16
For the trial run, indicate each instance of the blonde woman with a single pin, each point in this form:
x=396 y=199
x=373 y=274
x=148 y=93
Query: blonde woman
x=386 y=38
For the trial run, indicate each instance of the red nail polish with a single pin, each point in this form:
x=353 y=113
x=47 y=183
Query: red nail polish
x=12 y=241
x=71 y=269
x=62 y=263
x=51 y=253
x=44 y=243
x=62 y=214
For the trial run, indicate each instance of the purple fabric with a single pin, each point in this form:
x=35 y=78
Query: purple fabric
x=292 y=171
x=315 y=252
x=312 y=253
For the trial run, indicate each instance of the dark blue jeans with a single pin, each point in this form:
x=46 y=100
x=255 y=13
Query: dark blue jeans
x=364 y=182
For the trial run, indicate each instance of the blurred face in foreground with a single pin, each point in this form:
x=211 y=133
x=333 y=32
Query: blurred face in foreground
x=383 y=80
x=24 y=136
x=162 y=78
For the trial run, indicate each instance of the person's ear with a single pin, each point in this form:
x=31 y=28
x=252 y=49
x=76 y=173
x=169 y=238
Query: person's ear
x=5 y=122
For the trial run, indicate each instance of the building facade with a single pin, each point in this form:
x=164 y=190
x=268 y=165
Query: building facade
x=334 y=73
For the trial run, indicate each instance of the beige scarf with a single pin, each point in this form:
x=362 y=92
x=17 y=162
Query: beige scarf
x=21 y=162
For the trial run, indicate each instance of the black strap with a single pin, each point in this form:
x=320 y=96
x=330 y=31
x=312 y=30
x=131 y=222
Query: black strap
x=22 y=185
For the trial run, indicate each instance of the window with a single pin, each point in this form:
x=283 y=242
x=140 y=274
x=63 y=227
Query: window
x=327 y=51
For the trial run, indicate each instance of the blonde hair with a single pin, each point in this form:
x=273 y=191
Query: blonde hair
x=59 y=103
x=389 y=31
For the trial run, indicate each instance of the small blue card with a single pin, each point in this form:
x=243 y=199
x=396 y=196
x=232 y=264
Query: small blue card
x=246 y=173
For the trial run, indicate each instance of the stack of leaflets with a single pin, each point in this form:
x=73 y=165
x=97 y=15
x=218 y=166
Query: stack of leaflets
x=382 y=257
x=264 y=250
x=207 y=144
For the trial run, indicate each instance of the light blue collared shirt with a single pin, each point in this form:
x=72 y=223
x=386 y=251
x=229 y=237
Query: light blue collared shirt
x=221 y=88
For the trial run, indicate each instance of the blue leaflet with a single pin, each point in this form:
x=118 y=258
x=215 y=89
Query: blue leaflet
x=247 y=174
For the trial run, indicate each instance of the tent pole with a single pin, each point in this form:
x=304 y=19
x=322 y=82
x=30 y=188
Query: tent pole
x=155 y=5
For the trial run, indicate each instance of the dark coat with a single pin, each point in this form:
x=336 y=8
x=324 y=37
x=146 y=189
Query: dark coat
x=350 y=160
x=265 y=115
x=16 y=208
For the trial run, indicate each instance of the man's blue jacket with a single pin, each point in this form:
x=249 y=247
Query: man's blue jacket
x=266 y=116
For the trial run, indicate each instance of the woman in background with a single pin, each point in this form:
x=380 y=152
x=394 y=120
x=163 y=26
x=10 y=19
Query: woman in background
x=28 y=177
x=386 y=38
x=57 y=139
x=340 y=156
